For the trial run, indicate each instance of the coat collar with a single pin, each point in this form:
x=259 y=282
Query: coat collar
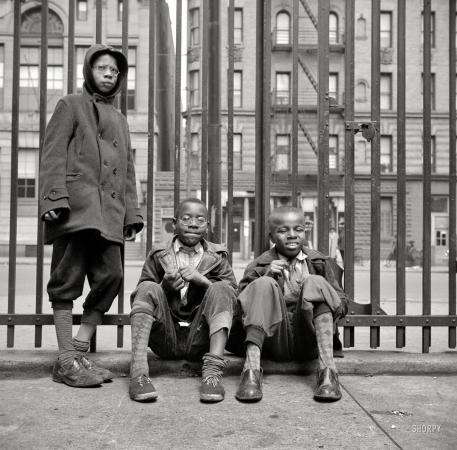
x=270 y=255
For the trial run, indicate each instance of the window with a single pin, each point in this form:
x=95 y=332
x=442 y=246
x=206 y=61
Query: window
x=194 y=151
x=27 y=170
x=131 y=82
x=282 y=88
x=433 y=153
x=333 y=86
x=386 y=91
x=361 y=92
x=55 y=76
x=386 y=29
x=2 y=73
x=386 y=216
x=361 y=27
x=238 y=29
x=432 y=89
x=432 y=30
x=80 y=52
x=238 y=89
x=283 y=28
x=282 y=152
x=81 y=12
x=237 y=151
x=120 y=8
x=439 y=204
x=386 y=153
x=194 y=26
x=29 y=79
x=194 y=83
x=333 y=28
x=333 y=152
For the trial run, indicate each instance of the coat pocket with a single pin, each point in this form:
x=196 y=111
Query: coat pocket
x=73 y=176
x=81 y=147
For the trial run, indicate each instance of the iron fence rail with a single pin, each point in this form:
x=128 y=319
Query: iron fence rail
x=266 y=100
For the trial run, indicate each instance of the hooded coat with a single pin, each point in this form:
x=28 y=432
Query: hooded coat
x=87 y=169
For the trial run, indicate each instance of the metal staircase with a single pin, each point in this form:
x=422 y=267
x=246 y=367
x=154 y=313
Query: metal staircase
x=310 y=13
x=308 y=72
x=307 y=135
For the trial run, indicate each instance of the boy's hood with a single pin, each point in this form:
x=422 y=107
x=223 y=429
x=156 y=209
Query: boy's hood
x=91 y=55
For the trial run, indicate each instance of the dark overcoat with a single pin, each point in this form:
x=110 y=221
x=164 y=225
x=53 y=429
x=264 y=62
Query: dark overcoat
x=87 y=169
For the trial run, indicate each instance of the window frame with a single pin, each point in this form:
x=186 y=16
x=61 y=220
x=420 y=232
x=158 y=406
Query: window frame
x=280 y=96
x=333 y=153
x=240 y=28
x=82 y=15
x=194 y=92
x=387 y=32
x=390 y=154
x=385 y=95
x=282 y=33
x=25 y=198
x=432 y=88
x=284 y=150
x=238 y=155
x=194 y=30
x=239 y=91
x=336 y=39
x=432 y=29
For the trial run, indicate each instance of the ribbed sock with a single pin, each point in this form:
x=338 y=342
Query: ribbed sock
x=323 y=324
x=81 y=347
x=252 y=357
x=141 y=324
x=63 y=320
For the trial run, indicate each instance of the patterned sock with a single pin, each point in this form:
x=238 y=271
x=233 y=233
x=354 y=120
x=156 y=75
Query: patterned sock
x=63 y=320
x=324 y=334
x=212 y=368
x=81 y=347
x=141 y=324
x=252 y=357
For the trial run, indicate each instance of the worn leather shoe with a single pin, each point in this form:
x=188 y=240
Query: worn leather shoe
x=141 y=389
x=91 y=367
x=328 y=386
x=250 y=387
x=75 y=376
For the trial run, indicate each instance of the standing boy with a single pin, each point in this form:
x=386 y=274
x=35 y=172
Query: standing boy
x=290 y=303
x=89 y=205
x=183 y=304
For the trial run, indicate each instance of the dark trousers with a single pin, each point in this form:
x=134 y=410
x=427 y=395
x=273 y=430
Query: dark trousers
x=73 y=257
x=168 y=338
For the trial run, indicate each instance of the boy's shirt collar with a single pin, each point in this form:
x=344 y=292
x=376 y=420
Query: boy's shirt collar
x=300 y=257
x=178 y=245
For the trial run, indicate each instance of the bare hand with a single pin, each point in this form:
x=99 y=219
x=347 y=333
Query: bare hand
x=129 y=233
x=52 y=215
x=276 y=268
x=191 y=274
x=172 y=282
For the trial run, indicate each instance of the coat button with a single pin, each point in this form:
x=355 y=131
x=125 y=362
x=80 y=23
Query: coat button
x=115 y=143
x=53 y=193
x=113 y=194
x=105 y=163
x=100 y=137
x=115 y=170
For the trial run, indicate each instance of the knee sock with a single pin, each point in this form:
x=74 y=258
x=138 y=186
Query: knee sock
x=252 y=357
x=63 y=320
x=81 y=347
x=141 y=324
x=323 y=324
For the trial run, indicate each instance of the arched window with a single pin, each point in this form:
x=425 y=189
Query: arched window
x=361 y=27
x=361 y=92
x=283 y=28
x=31 y=22
x=333 y=28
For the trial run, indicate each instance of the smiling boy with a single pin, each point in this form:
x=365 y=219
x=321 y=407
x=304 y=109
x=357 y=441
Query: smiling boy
x=183 y=304
x=290 y=303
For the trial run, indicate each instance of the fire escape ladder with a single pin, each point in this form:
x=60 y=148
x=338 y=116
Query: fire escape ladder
x=309 y=12
x=307 y=135
x=308 y=72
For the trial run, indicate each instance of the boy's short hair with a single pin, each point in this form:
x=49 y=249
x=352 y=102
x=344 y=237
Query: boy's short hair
x=279 y=212
x=189 y=200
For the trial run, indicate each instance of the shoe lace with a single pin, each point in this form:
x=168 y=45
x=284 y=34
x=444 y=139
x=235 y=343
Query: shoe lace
x=212 y=370
x=143 y=379
x=85 y=362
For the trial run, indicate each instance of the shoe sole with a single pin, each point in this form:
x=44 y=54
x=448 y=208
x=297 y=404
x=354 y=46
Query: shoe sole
x=208 y=398
x=144 y=397
x=249 y=399
x=327 y=399
x=58 y=379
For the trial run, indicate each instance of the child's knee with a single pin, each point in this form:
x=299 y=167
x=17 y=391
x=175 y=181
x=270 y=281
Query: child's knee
x=146 y=297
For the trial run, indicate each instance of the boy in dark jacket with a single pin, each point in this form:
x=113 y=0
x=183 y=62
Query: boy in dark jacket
x=89 y=205
x=290 y=303
x=183 y=304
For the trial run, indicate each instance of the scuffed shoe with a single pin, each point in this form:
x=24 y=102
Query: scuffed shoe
x=328 y=386
x=91 y=367
x=141 y=389
x=75 y=376
x=250 y=387
x=211 y=389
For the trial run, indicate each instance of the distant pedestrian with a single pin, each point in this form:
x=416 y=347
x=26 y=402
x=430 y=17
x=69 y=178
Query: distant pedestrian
x=332 y=243
x=89 y=205
x=341 y=240
x=393 y=253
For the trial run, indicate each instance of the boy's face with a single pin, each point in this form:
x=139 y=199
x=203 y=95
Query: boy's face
x=288 y=233
x=194 y=214
x=105 y=81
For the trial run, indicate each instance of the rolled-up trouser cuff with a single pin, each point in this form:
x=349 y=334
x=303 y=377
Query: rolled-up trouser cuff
x=139 y=306
x=62 y=304
x=219 y=321
x=321 y=308
x=255 y=335
x=93 y=316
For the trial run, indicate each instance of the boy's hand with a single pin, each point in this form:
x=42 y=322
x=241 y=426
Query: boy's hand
x=172 y=282
x=191 y=274
x=129 y=233
x=52 y=215
x=276 y=268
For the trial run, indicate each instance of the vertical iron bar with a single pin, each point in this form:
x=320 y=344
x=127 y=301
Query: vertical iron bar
x=98 y=22
x=71 y=47
x=43 y=108
x=452 y=172
x=295 y=103
x=231 y=61
x=375 y=264
x=151 y=133
x=323 y=125
x=401 y=170
x=177 y=168
x=427 y=125
x=214 y=122
x=349 y=196
x=14 y=171
x=204 y=161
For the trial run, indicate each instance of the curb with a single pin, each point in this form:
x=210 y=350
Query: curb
x=355 y=362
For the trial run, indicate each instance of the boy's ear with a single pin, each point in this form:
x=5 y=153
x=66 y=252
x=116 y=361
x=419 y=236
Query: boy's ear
x=173 y=224
x=271 y=237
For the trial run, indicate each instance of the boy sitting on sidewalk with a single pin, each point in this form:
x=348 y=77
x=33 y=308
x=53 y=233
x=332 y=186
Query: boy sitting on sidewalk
x=290 y=303
x=183 y=304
